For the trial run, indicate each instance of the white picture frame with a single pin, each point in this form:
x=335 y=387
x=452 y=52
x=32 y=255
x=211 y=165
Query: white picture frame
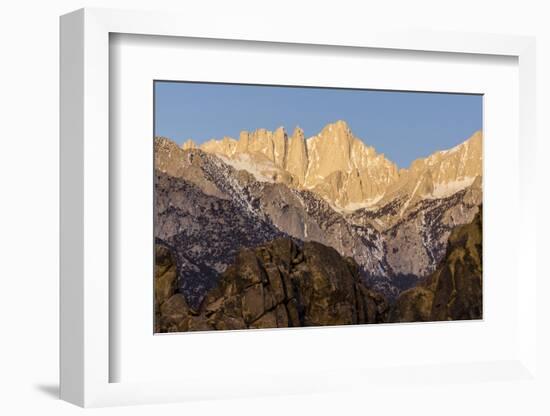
x=85 y=353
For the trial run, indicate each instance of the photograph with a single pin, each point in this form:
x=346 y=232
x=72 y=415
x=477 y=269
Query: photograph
x=298 y=206
x=262 y=208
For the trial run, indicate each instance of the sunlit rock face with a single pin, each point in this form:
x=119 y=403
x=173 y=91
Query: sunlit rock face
x=345 y=171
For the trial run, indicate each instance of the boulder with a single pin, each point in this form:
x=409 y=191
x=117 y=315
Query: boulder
x=165 y=274
x=175 y=314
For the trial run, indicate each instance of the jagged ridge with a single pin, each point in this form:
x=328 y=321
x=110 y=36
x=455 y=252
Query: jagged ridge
x=343 y=170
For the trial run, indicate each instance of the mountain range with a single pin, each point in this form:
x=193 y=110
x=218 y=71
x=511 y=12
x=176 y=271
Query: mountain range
x=343 y=170
x=215 y=199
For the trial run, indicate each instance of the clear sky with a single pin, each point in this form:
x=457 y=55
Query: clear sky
x=402 y=125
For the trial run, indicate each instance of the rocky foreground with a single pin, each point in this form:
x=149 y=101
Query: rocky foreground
x=275 y=285
x=286 y=284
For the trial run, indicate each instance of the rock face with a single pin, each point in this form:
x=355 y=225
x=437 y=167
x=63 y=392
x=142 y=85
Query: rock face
x=297 y=158
x=189 y=144
x=454 y=290
x=345 y=171
x=279 y=284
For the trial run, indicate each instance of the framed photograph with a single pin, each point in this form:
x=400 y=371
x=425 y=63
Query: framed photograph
x=286 y=212
x=317 y=227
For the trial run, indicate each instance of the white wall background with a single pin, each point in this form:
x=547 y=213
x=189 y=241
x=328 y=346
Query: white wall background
x=29 y=206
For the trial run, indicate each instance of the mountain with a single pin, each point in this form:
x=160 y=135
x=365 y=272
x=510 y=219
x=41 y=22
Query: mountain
x=226 y=195
x=334 y=164
x=344 y=171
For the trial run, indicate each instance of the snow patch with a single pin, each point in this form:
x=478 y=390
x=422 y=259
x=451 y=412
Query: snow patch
x=367 y=203
x=354 y=206
x=243 y=161
x=452 y=149
x=443 y=190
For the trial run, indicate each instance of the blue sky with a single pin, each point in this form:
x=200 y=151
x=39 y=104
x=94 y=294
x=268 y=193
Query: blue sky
x=402 y=125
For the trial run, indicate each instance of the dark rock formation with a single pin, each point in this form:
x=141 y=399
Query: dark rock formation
x=454 y=290
x=165 y=279
x=279 y=284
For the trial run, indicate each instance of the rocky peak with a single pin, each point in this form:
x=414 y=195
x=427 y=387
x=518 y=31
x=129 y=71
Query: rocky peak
x=242 y=144
x=261 y=142
x=337 y=129
x=167 y=154
x=280 y=131
x=298 y=133
x=297 y=158
x=336 y=140
x=280 y=147
x=439 y=175
x=344 y=170
x=330 y=151
x=189 y=144
x=469 y=150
